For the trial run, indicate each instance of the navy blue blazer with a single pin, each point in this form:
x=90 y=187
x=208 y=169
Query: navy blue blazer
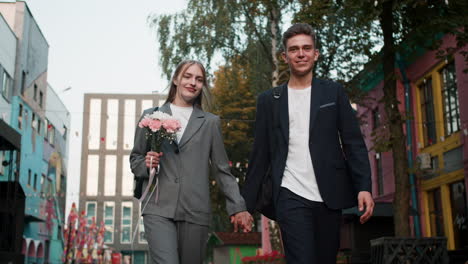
x=339 y=154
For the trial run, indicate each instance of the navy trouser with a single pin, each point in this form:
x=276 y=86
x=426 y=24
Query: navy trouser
x=310 y=231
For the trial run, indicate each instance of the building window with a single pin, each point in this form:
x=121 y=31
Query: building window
x=50 y=187
x=110 y=175
x=41 y=99
x=435 y=213
x=453 y=160
x=92 y=175
x=6 y=85
x=109 y=222
x=35 y=182
x=23 y=83
x=94 y=132
x=129 y=124
x=51 y=134
x=427 y=111
x=35 y=92
x=459 y=214
x=126 y=224
x=29 y=177
x=20 y=116
x=39 y=126
x=46 y=129
x=90 y=212
x=43 y=184
x=450 y=99
x=145 y=104
x=112 y=124
x=33 y=122
x=127 y=177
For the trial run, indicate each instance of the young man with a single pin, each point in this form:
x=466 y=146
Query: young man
x=316 y=153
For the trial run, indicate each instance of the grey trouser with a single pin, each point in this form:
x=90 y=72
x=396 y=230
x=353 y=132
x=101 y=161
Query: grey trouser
x=174 y=242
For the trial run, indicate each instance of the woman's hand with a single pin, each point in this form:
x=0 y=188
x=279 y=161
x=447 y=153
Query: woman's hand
x=155 y=159
x=242 y=220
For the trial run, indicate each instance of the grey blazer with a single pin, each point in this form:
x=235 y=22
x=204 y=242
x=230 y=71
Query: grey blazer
x=185 y=168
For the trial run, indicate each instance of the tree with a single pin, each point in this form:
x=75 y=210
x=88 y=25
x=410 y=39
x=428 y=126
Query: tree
x=235 y=104
x=346 y=41
x=226 y=28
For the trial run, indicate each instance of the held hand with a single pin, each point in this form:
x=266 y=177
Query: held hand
x=156 y=157
x=242 y=220
x=365 y=201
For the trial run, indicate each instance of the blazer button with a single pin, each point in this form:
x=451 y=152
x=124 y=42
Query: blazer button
x=176 y=151
x=177 y=180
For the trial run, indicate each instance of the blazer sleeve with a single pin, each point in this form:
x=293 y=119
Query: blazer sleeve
x=354 y=147
x=259 y=161
x=137 y=156
x=220 y=163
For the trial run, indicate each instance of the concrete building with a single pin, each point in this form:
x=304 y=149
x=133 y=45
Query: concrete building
x=106 y=186
x=438 y=102
x=27 y=99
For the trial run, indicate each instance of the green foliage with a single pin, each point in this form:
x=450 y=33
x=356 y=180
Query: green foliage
x=211 y=28
x=235 y=103
x=346 y=37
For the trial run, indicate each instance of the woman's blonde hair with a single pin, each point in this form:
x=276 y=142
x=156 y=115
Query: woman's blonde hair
x=203 y=101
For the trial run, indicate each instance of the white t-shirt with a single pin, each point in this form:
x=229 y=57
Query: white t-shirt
x=183 y=115
x=299 y=175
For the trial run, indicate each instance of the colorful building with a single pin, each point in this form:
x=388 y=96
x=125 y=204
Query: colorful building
x=12 y=197
x=36 y=113
x=436 y=91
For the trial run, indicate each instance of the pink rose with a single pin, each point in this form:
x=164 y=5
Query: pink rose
x=144 y=122
x=154 y=125
x=171 y=125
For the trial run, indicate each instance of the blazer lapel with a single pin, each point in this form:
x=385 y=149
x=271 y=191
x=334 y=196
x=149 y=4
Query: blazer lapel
x=165 y=108
x=196 y=120
x=283 y=112
x=315 y=96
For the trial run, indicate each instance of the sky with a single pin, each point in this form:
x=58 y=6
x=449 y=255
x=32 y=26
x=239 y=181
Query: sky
x=98 y=46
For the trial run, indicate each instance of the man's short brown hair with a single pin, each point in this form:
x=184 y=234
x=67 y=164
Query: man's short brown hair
x=298 y=29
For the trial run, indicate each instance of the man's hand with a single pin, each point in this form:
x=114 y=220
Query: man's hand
x=365 y=201
x=242 y=220
x=156 y=157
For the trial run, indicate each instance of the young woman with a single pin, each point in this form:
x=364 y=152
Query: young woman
x=176 y=223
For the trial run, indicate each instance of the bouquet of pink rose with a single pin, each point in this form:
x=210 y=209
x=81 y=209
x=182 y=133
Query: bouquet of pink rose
x=160 y=126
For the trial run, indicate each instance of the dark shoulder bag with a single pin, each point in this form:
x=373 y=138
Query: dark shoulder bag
x=138 y=181
x=265 y=204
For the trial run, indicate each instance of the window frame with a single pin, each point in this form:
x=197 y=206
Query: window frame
x=122 y=218
x=88 y=219
x=445 y=91
x=104 y=217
